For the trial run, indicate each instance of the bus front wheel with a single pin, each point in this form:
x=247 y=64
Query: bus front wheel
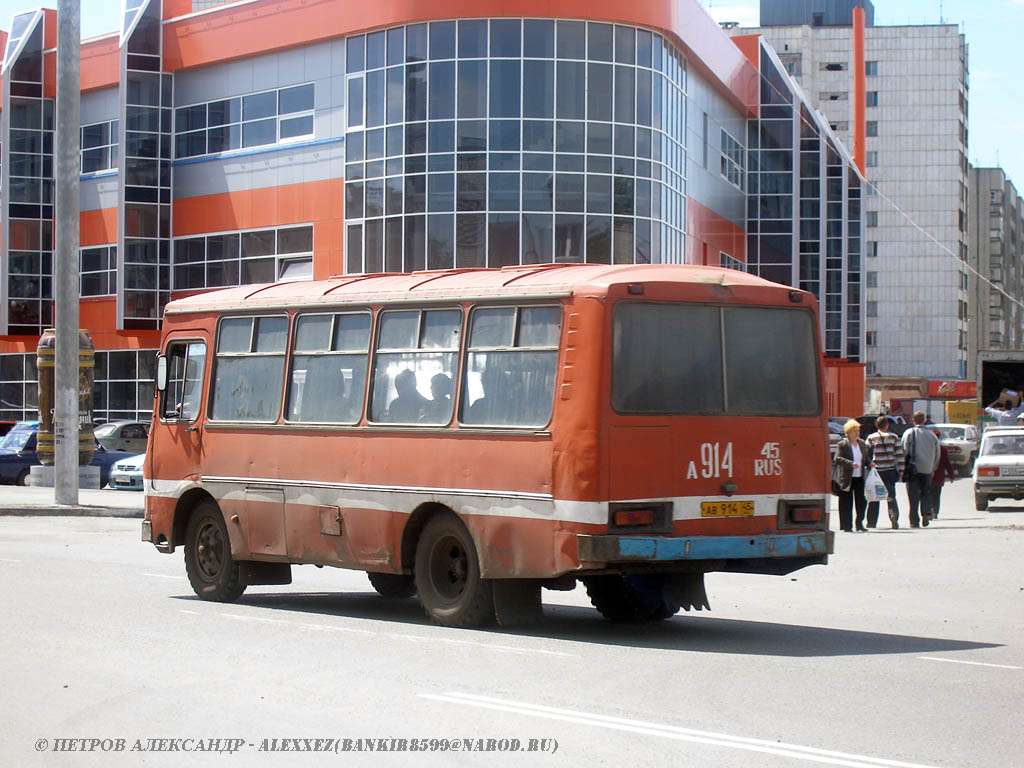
x=630 y=598
x=392 y=584
x=211 y=569
x=447 y=574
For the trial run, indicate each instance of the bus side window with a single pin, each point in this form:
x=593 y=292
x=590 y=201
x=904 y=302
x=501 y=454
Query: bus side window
x=415 y=366
x=511 y=366
x=249 y=377
x=186 y=363
x=328 y=376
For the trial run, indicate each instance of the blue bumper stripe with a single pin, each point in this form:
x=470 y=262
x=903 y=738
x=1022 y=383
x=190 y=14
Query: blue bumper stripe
x=659 y=548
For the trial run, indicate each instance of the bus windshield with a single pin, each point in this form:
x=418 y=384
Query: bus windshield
x=672 y=359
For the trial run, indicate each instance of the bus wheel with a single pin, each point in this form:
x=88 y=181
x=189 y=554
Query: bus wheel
x=448 y=575
x=392 y=584
x=630 y=598
x=211 y=569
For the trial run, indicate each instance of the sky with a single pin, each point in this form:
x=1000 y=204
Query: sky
x=993 y=29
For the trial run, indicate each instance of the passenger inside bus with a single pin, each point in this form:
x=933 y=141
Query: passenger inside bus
x=410 y=404
x=484 y=410
x=439 y=409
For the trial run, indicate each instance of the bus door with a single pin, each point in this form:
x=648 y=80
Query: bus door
x=176 y=445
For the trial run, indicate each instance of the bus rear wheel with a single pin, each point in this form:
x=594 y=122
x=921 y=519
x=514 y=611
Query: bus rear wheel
x=392 y=584
x=447 y=574
x=630 y=597
x=211 y=569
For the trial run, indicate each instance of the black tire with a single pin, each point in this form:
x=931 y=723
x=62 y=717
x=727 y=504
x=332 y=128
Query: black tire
x=630 y=598
x=211 y=569
x=980 y=501
x=392 y=584
x=447 y=573
x=22 y=478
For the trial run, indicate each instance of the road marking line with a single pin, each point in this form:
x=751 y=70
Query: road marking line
x=8 y=560
x=972 y=663
x=797 y=751
x=161 y=576
x=400 y=636
x=192 y=613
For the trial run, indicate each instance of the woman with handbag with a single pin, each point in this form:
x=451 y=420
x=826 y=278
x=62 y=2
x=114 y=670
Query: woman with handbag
x=848 y=471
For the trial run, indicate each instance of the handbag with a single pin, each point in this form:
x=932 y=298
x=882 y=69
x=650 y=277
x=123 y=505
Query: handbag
x=836 y=488
x=874 y=488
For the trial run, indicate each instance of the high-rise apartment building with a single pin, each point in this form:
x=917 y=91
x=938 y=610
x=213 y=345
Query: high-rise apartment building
x=915 y=205
x=996 y=245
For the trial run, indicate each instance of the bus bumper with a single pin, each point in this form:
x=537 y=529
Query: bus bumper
x=811 y=545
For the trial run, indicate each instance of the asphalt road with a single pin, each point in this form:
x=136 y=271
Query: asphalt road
x=905 y=650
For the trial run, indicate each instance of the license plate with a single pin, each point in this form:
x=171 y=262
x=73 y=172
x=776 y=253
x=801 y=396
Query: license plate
x=726 y=508
x=1011 y=471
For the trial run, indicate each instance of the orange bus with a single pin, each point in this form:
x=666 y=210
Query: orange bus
x=473 y=436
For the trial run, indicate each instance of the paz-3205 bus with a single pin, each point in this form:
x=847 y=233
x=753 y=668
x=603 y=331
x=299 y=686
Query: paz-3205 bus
x=473 y=436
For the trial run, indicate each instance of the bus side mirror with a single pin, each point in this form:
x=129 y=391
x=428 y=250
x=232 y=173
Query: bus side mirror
x=161 y=373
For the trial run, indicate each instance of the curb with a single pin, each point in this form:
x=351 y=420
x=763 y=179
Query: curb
x=78 y=511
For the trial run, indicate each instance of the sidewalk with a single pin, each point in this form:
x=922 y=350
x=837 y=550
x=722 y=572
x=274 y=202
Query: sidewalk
x=26 y=500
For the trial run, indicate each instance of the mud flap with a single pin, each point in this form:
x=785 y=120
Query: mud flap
x=686 y=590
x=250 y=572
x=516 y=602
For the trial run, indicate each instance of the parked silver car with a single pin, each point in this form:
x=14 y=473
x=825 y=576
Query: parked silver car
x=123 y=436
x=999 y=470
x=961 y=440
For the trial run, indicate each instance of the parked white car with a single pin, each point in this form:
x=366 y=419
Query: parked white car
x=961 y=440
x=126 y=474
x=999 y=470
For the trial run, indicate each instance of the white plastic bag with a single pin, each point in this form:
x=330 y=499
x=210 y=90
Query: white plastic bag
x=874 y=488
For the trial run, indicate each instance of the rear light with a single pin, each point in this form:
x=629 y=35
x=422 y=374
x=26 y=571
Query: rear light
x=988 y=471
x=640 y=517
x=634 y=517
x=805 y=514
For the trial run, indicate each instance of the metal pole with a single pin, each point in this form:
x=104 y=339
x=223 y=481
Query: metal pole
x=66 y=287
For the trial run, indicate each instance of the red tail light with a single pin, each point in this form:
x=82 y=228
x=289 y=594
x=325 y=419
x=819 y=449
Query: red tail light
x=988 y=471
x=634 y=517
x=805 y=514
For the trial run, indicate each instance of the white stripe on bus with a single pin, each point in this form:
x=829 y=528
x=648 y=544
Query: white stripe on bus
x=405 y=499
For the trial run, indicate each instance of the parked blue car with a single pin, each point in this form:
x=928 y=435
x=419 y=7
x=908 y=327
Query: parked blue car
x=18 y=455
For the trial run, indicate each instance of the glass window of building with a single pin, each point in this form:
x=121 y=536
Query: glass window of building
x=516 y=141
x=257 y=119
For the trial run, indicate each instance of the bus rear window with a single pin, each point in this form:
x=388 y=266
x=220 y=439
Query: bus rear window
x=673 y=359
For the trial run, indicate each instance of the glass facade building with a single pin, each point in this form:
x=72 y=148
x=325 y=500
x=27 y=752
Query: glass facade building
x=804 y=208
x=486 y=143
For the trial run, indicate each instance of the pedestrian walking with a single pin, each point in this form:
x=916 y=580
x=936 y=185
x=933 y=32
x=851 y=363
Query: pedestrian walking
x=852 y=456
x=921 y=447
x=942 y=472
x=887 y=458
